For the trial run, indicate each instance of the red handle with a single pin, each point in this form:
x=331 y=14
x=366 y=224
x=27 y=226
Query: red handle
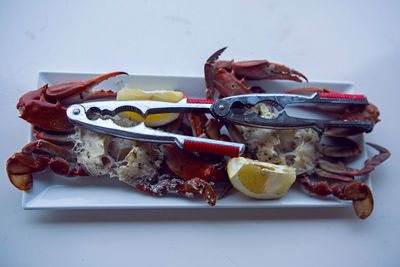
x=199 y=101
x=216 y=149
x=342 y=96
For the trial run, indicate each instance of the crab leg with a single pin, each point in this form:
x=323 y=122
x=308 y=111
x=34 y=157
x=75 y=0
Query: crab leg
x=342 y=148
x=319 y=188
x=337 y=168
x=188 y=188
x=333 y=176
x=54 y=137
x=45 y=147
x=368 y=167
x=35 y=157
x=356 y=191
x=370 y=164
x=359 y=193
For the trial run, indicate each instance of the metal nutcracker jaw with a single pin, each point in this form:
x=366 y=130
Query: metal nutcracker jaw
x=78 y=114
x=145 y=107
x=235 y=110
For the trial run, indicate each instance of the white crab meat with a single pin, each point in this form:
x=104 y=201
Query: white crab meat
x=128 y=160
x=295 y=148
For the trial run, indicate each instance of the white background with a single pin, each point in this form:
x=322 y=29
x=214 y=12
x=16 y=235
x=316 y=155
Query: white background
x=326 y=40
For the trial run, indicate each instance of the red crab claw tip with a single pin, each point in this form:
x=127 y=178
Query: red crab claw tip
x=96 y=80
x=209 y=70
x=214 y=57
x=291 y=74
x=299 y=74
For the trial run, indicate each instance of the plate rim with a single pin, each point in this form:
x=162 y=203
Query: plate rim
x=43 y=72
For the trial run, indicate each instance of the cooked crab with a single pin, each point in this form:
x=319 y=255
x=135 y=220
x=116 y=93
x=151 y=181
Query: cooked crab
x=301 y=148
x=73 y=151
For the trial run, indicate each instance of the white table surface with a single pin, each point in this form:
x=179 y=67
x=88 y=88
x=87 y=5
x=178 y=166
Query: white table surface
x=335 y=40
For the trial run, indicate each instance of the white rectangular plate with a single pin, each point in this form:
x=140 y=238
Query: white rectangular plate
x=51 y=191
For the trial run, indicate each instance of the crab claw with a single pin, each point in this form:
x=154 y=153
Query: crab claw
x=46 y=115
x=209 y=71
x=45 y=107
x=20 y=168
x=74 y=92
x=36 y=157
x=261 y=70
x=363 y=201
x=221 y=79
x=359 y=193
x=228 y=76
x=63 y=91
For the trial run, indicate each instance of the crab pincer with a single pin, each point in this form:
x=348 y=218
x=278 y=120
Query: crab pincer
x=46 y=106
x=228 y=76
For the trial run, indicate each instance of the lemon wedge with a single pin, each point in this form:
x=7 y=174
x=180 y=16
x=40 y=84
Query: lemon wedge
x=261 y=180
x=153 y=120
